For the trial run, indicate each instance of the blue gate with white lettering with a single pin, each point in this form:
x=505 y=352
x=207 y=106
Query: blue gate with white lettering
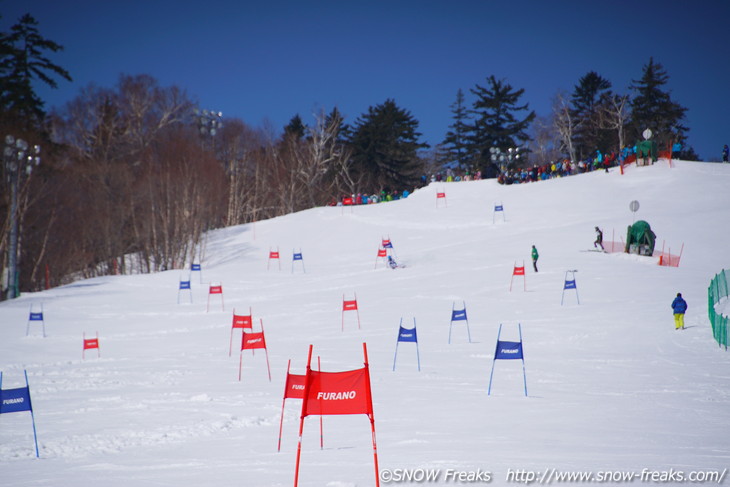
x=407 y=335
x=18 y=400
x=507 y=350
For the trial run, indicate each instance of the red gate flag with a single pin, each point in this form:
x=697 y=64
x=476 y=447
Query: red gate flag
x=90 y=344
x=244 y=322
x=350 y=305
x=273 y=254
x=441 y=196
x=215 y=289
x=252 y=341
x=382 y=254
x=338 y=393
x=347 y=392
x=294 y=389
x=519 y=271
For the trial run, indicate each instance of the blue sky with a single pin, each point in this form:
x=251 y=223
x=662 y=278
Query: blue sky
x=264 y=62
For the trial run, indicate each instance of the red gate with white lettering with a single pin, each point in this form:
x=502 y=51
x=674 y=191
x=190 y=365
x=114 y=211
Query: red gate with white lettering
x=215 y=289
x=346 y=392
x=519 y=271
x=90 y=344
x=252 y=341
x=294 y=389
x=273 y=254
x=350 y=305
x=244 y=322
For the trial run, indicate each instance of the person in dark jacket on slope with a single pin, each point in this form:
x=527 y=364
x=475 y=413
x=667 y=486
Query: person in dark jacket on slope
x=679 y=306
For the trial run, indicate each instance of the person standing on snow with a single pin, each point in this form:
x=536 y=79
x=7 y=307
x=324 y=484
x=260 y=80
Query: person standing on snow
x=679 y=306
x=599 y=239
x=725 y=153
x=535 y=256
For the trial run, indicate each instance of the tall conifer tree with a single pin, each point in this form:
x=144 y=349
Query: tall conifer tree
x=385 y=144
x=22 y=61
x=652 y=107
x=455 y=144
x=496 y=122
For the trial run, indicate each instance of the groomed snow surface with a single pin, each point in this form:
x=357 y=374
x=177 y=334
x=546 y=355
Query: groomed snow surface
x=611 y=385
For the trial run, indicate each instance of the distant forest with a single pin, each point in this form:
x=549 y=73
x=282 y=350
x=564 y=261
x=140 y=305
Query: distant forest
x=128 y=178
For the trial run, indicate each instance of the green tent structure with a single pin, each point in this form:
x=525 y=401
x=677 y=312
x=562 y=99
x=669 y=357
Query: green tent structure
x=640 y=239
x=644 y=150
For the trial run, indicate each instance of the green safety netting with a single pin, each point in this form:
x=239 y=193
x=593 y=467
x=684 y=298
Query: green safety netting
x=718 y=290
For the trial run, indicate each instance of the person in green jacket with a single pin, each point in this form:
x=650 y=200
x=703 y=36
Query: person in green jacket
x=535 y=256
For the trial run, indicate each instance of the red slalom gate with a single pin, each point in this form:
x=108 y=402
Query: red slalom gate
x=519 y=271
x=273 y=255
x=90 y=344
x=214 y=290
x=329 y=393
x=294 y=389
x=244 y=322
x=252 y=341
x=350 y=305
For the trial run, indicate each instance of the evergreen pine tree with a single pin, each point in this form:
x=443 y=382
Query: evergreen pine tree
x=455 y=147
x=295 y=128
x=495 y=120
x=591 y=92
x=21 y=62
x=385 y=146
x=653 y=108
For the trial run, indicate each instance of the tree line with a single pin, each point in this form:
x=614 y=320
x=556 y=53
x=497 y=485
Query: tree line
x=132 y=176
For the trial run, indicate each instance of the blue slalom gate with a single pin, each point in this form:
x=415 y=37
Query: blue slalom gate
x=570 y=284
x=184 y=286
x=507 y=350
x=35 y=316
x=18 y=400
x=297 y=257
x=459 y=315
x=498 y=208
x=407 y=335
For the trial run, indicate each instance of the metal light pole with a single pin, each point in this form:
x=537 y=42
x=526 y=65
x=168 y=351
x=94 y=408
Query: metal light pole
x=503 y=159
x=209 y=121
x=19 y=160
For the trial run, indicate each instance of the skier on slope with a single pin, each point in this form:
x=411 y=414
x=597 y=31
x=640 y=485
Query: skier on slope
x=599 y=239
x=392 y=263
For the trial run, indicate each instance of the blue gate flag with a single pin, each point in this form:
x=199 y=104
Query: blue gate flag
x=15 y=400
x=500 y=208
x=297 y=256
x=195 y=267
x=184 y=284
x=508 y=351
x=35 y=316
x=569 y=284
x=407 y=335
x=458 y=314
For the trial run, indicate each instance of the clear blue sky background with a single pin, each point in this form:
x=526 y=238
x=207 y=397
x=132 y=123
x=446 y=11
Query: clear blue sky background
x=265 y=61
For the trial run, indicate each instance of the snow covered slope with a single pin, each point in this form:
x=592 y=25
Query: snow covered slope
x=612 y=386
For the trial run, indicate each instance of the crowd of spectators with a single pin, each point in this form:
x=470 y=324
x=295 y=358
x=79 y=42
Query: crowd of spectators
x=560 y=168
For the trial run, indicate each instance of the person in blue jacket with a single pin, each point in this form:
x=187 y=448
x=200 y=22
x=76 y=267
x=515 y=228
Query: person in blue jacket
x=679 y=306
